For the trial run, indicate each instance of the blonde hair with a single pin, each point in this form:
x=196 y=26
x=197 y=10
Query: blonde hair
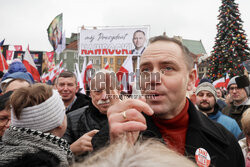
x=245 y=122
x=29 y=96
x=143 y=154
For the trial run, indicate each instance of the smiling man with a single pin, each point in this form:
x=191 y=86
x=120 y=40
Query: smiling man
x=170 y=116
x=67 y=86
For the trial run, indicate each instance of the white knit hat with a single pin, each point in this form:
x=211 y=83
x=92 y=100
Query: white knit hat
x=43 y=117
x=208 y=87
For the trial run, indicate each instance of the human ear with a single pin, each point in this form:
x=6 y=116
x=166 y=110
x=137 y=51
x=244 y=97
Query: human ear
x=191 y=80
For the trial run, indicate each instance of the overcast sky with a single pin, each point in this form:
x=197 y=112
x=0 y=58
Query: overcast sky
x=25 y=22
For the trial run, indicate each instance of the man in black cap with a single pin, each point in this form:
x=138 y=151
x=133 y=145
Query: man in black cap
x=239 y=91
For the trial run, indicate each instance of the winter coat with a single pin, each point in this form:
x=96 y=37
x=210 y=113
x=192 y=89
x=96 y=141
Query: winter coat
x=81 y=101
x=229 y=123
x=26 y=147
x=202 y=132
x=236 y=112
x=82 y=121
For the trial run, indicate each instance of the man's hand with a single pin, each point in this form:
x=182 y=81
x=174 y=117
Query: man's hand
x=125 y=118
x=83 y=144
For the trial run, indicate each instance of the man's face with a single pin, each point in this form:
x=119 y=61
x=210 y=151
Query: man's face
x=139 y=40
x=67 y=88
x=4 y=121
x=170 y=89
x=98 y=92
x=99 y=99
x=205 y=101
x=238 y=95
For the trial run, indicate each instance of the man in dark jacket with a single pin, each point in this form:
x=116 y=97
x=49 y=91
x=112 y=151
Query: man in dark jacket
x=239 y=91
x=85 y=122
x=167 y=67
x=66 y=84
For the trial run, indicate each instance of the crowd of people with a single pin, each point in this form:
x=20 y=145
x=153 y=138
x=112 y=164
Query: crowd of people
x=55 y=125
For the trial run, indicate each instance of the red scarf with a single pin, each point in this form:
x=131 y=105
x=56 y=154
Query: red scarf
x=174 y=130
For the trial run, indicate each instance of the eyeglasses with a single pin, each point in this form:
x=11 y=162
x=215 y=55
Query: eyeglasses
x=234 y=88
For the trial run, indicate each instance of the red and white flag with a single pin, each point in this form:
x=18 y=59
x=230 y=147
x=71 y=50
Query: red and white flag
x=45 y=77
x=78 y=76
x=106 y=66
x=30 y=65
x=87 y=74
x=83 y=74
x=219 y=82
x=127 y=69
x=3 y=63
x=53 y=74
x=60 y=64
x=227 y=80
x=18 y=47
x=9 y=54
x=50 y=56
x=197 y=80
x=61 y=70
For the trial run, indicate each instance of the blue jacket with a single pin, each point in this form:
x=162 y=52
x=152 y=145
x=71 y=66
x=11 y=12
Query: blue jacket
x=229 y=123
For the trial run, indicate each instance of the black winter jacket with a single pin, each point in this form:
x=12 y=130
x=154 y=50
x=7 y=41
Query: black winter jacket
x=82 y=121
x=202 y=132
x=81 y=101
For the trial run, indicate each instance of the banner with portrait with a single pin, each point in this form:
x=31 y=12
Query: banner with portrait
x=110 y=41
x=55 y=31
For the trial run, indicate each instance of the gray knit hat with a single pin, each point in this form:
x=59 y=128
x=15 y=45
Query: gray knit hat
x=208 y=87
x=42 y=117
x=233 y=81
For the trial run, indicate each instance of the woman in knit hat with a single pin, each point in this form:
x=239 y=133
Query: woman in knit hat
x=38 y=122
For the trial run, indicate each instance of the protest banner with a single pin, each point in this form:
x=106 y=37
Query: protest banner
x=110 y=41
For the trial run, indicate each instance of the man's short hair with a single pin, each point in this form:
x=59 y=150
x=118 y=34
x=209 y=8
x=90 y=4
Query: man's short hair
x=67 y=74
x=187 y=54
x=139 y=31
